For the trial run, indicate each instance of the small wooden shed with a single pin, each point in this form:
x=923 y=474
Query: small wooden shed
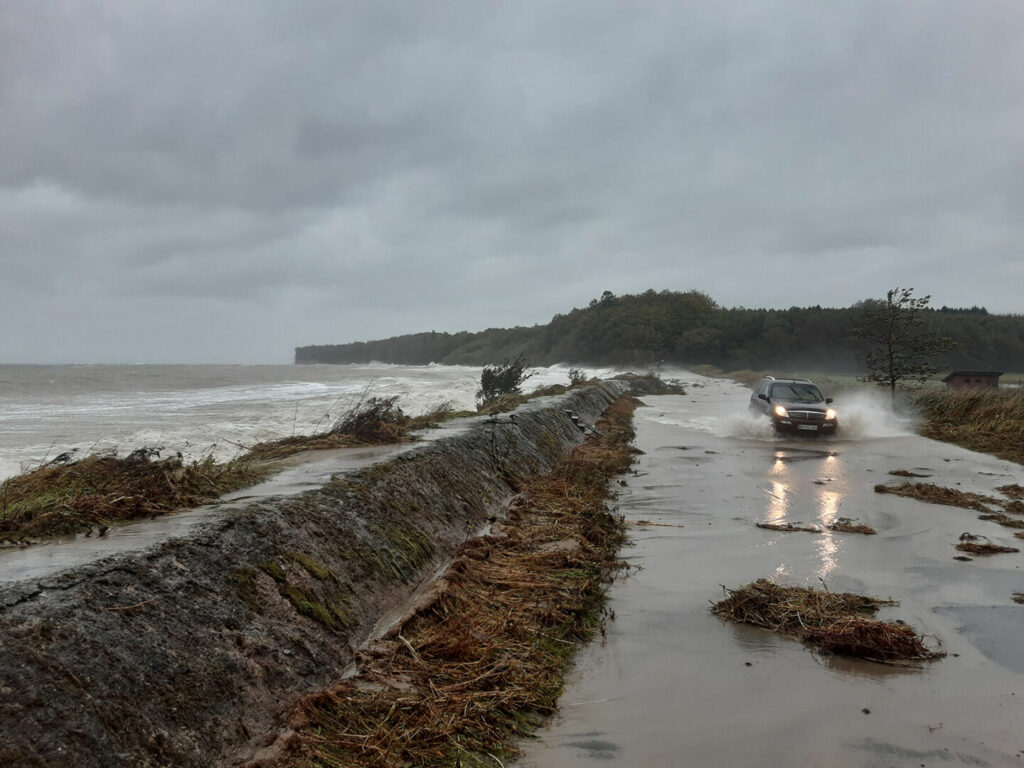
x=973 y=380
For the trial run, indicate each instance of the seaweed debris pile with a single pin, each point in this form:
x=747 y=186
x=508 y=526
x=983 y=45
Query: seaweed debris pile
x=481 y=663
x=66 y=495
x=832 y=622
x=70 y=494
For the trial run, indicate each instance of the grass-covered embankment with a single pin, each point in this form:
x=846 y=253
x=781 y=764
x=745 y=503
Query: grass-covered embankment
x=469 y=674
x=986 y=420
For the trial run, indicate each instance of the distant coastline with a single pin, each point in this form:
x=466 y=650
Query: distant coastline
x=688 y=329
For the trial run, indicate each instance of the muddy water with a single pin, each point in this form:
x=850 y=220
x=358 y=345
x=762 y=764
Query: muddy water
x=672 y=685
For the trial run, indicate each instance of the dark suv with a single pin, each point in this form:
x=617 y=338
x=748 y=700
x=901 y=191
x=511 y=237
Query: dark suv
x=794 y=405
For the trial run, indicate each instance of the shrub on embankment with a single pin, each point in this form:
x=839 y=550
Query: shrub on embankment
x=987 y=420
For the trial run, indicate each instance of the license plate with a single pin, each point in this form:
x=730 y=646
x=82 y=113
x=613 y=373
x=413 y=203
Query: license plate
x=811 y=427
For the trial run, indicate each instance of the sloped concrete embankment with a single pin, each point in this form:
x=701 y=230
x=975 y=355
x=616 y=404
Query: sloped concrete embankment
x=189 y=653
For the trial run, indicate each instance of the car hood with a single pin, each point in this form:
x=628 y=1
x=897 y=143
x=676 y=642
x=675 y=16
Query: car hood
x=820 y=405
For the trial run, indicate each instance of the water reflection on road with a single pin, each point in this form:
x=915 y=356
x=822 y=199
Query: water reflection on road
x=672 y=685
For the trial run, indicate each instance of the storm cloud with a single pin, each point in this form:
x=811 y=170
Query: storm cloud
x=221 y=182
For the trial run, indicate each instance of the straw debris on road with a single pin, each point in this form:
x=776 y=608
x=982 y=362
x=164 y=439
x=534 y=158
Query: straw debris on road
x=832 y=622
x=482 y=664
x=984 y=548
x=846 y=525
x=789 y=527
x=937 y=494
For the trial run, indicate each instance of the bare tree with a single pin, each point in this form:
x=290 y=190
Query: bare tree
x=905 y=350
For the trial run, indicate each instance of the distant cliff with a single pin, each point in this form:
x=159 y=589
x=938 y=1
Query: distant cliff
x=689 y=328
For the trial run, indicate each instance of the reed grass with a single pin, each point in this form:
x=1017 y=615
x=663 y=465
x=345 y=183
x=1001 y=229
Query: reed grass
x=986 y=420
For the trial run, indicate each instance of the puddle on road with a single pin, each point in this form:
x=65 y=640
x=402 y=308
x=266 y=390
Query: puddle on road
x=791 y=453
x=995 y=630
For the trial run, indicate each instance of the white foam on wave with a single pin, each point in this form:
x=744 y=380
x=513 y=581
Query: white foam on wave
x=167 y=410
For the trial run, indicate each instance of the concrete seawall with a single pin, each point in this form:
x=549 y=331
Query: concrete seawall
x=190 y=653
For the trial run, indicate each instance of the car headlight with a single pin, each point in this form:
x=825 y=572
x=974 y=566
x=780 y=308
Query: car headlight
x=780 y=411
x=830 y=414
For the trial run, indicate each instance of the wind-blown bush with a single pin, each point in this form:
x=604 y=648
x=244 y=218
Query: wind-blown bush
x=504 y=378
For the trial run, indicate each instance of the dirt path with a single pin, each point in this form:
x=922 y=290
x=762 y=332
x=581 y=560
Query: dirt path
x=673 y=685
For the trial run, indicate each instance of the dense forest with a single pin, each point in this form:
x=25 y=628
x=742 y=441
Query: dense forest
x=690 y=328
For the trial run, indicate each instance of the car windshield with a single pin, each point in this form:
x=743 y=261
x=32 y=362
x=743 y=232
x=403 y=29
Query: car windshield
x=800 y=393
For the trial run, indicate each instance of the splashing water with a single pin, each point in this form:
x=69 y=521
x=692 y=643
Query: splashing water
x=863 y=415
x=868 y=414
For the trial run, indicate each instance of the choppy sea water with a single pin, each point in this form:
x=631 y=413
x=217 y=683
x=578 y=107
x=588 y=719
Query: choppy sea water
x=201 y=410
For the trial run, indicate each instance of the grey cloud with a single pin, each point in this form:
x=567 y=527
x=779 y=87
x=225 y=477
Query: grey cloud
x=278 y=174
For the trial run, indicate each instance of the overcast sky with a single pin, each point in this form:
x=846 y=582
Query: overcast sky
x=223 y=181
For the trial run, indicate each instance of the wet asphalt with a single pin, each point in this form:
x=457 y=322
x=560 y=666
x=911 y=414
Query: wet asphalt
x=670 y=684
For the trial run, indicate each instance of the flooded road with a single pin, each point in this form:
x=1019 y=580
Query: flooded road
x=673 y=685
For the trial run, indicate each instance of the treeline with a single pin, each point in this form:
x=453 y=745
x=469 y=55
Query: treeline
x=690 y=328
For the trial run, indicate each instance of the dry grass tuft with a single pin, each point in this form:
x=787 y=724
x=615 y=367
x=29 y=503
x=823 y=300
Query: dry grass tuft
x=371 y=421
x=458 y=682
x=1004 y=520
x=937 y=494
x=984 y=548
x=1012 y=490
x=832 y=622
x=846 y=525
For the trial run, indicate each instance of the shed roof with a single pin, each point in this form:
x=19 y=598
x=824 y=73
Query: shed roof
x=973 y=373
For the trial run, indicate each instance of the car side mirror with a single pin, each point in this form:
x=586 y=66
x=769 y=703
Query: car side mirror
x=763 y=396
x=828 y=400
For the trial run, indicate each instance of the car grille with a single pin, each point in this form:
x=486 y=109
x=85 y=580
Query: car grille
x=808 y=415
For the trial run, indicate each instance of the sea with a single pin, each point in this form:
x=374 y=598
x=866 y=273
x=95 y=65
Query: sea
x=208 y=410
